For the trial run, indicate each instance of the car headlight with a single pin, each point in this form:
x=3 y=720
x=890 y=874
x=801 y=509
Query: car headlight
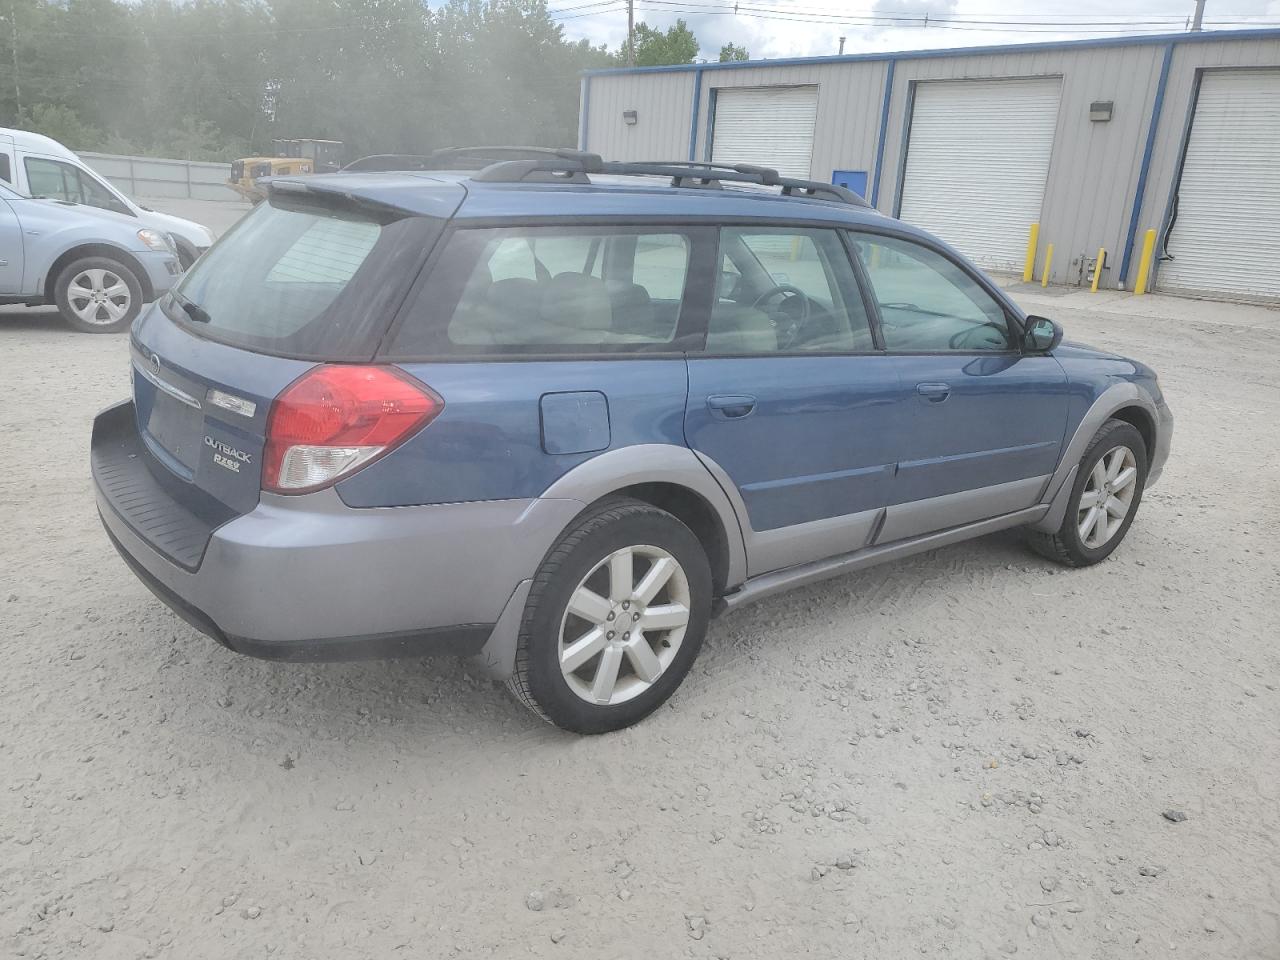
x=156 y=241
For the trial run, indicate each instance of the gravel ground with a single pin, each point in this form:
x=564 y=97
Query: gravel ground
x=971 y=753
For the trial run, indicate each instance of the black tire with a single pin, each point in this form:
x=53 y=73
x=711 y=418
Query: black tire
x=1065 y=546
x=62 y=294
x=595 y=535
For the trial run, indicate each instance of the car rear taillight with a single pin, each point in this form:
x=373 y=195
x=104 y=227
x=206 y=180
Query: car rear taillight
x=334 y=419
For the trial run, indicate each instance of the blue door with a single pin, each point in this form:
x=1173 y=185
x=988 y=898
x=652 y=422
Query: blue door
x=790 y=399
x=987 y=421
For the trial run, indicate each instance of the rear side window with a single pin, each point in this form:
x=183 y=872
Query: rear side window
x=6 y=173
x=550 y=290
x=303 y=280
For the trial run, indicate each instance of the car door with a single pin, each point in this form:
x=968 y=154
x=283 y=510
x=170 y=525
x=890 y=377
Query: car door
x=10 y=250
x=790 y=401
x=987 y=419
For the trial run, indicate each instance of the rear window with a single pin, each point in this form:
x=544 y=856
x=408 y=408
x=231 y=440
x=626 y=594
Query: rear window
x=303 y=280
x=548 y=289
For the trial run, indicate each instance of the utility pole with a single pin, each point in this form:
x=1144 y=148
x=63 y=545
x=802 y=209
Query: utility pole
x=841 y=46
x=1198 y=19
x=631 y=33
x=17 y=87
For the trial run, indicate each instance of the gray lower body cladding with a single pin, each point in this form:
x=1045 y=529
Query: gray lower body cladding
x=309 y=578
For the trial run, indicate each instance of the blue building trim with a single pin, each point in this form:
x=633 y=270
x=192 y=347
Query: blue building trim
x=1155 y=39
x=884 y=129
x=585 y=109
x=1143 y=170
x=693 y=113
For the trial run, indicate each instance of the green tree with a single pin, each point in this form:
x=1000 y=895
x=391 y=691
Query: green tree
x=655 y=48
x=62 y=124
x=731 y=52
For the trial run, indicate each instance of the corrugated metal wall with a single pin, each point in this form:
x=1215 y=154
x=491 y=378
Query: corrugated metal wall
x=1095 y=169
x=662 y=102
x=1094 y=166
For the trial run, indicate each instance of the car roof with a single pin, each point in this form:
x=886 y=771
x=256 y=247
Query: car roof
x=442 y=193
x=36 y=141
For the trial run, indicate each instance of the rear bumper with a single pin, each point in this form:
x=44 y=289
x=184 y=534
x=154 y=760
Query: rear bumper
x=309 y=578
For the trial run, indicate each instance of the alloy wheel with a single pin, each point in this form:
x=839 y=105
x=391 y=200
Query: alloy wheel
x=99 y=296
x=624 y=625
x=1108 y=497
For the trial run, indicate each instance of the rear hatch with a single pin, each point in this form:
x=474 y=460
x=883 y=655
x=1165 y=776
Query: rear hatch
x=308 y=279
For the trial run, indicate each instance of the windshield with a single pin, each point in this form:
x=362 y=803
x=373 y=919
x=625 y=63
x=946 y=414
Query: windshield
x=297 y=280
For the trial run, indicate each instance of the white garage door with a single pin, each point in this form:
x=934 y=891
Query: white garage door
x=770 y=126
x=977 y=161
x=1226 y=239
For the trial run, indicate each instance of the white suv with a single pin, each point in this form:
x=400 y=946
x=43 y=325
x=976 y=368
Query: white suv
x=41 y=167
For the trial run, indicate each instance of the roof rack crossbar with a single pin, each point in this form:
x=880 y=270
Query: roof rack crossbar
x=574 y=165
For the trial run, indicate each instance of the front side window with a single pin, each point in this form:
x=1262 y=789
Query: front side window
x=550 y=290
x=93 y=193
x=928 y=303
x=48 y=178
x=6 y=172
x=783 y=290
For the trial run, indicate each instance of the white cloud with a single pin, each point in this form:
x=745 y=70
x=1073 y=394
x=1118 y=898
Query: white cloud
x=777 y=36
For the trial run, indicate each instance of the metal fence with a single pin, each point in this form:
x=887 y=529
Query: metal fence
x=157 y=177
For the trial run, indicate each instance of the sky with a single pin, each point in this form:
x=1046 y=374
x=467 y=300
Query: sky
x=777 y=28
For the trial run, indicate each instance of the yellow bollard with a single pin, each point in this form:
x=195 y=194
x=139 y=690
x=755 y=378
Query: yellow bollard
x=1097 y=269
x=1144 y=265
x=1048 y=260
x=1029 y=271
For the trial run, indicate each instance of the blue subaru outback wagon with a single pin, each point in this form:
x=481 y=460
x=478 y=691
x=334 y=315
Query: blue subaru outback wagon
x=558 y=412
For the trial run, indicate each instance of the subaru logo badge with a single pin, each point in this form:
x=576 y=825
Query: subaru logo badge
x=155 y=364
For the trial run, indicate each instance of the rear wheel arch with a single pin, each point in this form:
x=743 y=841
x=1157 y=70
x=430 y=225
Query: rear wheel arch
x=673 y=479
x=693 y=510
x=124 y=257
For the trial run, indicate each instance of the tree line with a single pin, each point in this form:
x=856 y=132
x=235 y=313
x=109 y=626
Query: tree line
x=219 y=79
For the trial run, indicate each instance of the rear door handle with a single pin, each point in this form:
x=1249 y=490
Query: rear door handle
x=934 y=392
x=731 y=407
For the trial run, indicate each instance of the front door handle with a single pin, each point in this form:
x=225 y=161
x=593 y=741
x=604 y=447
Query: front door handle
x=731 y=407
x=934 y=392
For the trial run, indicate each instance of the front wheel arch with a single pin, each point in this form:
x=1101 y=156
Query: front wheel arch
x=85 y=250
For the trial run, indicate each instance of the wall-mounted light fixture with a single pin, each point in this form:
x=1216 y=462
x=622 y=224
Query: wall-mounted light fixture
x=1100 y=110
x=629 y=117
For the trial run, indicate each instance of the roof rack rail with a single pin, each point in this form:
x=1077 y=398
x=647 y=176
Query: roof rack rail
x=573 y=165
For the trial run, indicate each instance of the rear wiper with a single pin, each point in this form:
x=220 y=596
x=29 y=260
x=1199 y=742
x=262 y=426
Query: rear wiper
x=192 y=309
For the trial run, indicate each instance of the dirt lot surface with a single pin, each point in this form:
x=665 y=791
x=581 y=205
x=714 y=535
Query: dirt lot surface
x=969 y=754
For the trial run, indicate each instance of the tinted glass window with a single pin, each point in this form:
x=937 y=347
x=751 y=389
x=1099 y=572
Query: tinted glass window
x=47 y=178
x=6 y=172
x=927 y=302
x=96 y=195
x=786 y=291
x=302 y=280
x=550 y=290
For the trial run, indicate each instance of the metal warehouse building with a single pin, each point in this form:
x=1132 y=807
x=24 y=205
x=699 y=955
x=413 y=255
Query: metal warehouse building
x=1097 y=141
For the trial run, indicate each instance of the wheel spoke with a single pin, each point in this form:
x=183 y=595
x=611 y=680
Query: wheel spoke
x=1115 y=460
x=668 y=616
x=1100 y=526
x=589 y=605
x=1099 y=477
x=643 y=660
x=117 y=289
x=97 y=278
x=606 y=674
x=582 y=649
x=654 y=580
x=1086 y=525
x=114 y=310
x=621 y=575
x=1116 y=507
x=1124 y=478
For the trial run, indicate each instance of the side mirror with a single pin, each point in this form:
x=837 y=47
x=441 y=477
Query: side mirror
x=1042 y=335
